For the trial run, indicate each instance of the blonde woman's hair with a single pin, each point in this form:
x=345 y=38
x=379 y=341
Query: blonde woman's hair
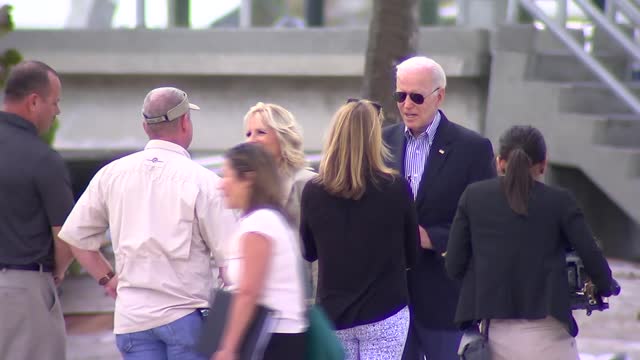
x=287 y=131
x=354 y=153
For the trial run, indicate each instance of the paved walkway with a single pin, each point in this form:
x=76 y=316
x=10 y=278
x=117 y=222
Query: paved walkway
x=603 y=335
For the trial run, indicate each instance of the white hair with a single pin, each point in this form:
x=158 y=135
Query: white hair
x=424 y=63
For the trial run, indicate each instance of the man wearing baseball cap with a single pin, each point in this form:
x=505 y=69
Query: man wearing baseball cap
x=166 y=219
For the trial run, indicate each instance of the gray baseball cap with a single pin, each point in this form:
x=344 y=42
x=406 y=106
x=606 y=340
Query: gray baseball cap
x=172 y=113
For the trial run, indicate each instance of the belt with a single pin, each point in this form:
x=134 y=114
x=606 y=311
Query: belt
x=28 y=267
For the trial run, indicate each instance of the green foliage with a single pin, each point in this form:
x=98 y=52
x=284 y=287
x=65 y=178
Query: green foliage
x=7 y=60
x=12 y=57
x=50 y=135
x=6 y=21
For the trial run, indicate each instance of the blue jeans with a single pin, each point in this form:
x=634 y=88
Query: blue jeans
x=173 y=341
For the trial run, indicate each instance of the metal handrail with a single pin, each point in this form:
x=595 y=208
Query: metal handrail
x=628 y=9
x=592 y=63
x=610 y=28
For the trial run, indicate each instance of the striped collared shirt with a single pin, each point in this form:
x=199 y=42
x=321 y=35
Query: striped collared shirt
x=417 y=153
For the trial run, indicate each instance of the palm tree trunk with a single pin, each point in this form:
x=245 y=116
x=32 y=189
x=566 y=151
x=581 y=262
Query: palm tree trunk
x=393 y=34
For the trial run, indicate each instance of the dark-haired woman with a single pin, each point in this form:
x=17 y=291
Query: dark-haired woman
x=507 y=245
x=263 y=258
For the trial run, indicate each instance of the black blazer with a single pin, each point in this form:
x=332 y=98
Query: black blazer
x=457 y=158
x=513 y=266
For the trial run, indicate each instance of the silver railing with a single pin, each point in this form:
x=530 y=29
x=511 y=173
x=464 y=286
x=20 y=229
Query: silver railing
x=557 y=27
x=626 y=7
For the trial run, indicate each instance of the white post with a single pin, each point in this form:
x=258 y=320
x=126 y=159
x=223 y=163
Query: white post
x=462 y=16
x=171 y=9
x=245 y=13
x=140 y=12
x=561 y=12
x=610 y=10
x=512 y=11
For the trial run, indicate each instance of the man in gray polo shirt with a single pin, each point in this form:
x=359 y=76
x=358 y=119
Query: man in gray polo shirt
x=35 y=199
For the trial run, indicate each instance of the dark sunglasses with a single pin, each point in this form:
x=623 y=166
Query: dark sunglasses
x=375 y=104
x=418 y=99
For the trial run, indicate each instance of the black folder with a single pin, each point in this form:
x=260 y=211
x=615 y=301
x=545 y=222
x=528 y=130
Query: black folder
x=256 y=336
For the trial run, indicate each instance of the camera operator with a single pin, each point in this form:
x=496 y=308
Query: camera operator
x=507 y=245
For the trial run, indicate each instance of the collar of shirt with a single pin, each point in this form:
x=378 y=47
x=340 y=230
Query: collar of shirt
x=19 y=122
x=429 y=132
x=166 y=145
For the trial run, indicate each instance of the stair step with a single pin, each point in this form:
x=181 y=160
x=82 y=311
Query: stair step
x=618 y=130
x=558 y=66
x=593 y=98
x=630 y=155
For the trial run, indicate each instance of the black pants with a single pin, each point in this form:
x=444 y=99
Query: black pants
x=286 y=346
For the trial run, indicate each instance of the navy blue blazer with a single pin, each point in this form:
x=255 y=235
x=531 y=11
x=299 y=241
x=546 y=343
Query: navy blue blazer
x=457 y=158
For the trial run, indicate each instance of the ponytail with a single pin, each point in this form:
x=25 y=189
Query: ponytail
x=517 y=182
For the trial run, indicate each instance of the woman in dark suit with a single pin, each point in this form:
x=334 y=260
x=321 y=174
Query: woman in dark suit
x=507 y=245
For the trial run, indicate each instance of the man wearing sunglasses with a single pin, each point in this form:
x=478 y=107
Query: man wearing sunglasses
x=439 y=159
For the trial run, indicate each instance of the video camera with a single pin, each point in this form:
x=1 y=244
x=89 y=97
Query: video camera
x=582 y=291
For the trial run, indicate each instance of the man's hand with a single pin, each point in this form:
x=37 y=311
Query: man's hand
x=425 y=240
x=111 y=287
x=222 y=276
x=58 y=278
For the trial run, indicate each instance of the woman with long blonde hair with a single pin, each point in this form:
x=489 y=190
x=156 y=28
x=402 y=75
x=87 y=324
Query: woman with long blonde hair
x=277 y=130
x=358 y=221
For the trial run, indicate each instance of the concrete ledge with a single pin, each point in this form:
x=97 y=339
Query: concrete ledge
x=278 y=52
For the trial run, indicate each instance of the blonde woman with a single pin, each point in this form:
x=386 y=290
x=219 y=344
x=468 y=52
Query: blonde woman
x=275 y=128
x=358 y=221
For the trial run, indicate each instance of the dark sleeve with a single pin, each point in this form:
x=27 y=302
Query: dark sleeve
x=412 y=236
x=459 y=246
x=483 y=167
x=54 y=186
x=577 y=232
x=309 y=251
x=439 y=234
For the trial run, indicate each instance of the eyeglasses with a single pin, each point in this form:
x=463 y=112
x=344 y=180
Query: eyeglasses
x=418 y=99
x=375 y=104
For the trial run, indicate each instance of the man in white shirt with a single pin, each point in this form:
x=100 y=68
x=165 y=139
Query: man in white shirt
x=166 y=218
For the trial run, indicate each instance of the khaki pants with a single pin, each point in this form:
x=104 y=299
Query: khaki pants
x=31 y=322
x=531 y=339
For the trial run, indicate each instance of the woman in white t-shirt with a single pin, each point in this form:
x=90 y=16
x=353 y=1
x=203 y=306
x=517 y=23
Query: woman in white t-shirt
x=263 y=257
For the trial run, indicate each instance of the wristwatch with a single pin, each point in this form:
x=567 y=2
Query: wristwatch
x=105 y=279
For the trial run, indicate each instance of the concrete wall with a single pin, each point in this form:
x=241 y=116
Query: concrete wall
x=106 y=75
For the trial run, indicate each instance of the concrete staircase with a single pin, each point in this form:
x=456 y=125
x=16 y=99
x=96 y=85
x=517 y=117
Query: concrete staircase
x=593 y=139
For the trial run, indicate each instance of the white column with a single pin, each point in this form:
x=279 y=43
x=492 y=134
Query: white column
x=140 y=12
x=245 y=13
x=561 y=12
